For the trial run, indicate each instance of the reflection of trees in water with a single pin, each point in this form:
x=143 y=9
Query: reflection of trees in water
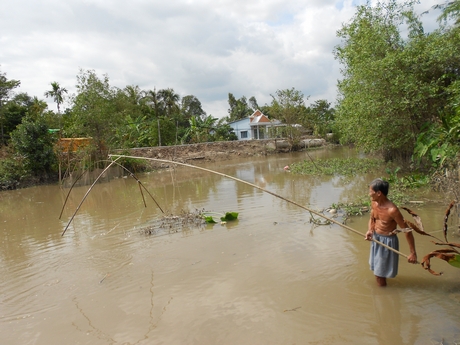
x=179 y=188
x=353 y=188
x=300 y=188
x=182 y=185
x=29 y=218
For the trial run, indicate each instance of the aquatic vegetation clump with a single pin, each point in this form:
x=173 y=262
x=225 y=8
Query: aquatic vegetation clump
x=228 y=216
x=184 y=221
x=357 y=208
x=336 y=166
x=171 y=223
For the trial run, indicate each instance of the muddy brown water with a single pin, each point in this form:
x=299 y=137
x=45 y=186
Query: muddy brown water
x=271 y=277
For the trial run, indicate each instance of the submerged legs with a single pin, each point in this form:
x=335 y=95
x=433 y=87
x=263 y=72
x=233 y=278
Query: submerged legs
x=381 y=281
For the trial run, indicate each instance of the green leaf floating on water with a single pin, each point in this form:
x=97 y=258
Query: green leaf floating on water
x=229 y=216
x=209 y=219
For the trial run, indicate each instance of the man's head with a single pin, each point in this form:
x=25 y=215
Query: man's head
x=379 y=185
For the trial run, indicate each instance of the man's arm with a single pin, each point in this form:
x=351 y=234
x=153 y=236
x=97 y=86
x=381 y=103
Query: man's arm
x=371 y=226
x=411 y=241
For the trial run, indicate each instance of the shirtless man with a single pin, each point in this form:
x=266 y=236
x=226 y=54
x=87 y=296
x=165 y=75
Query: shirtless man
x=385 y=216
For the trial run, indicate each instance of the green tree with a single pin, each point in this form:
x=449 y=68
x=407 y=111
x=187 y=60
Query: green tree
x=57 y=93
x=135 y=132
x=191 y=106
x=253 y=104
x=439 y=141
x=166 y=107
x=239 y=108
x=391 y=86
x=153 y=100
x=32 y=140
x=321 y=116
x=170 y=100
x=288 y=106
x=223 y=131
x=94 y=110
x=14 y=111
x=134 y=95
x=200 y=129
x=450 y=9
x=135 y=118
x=37 y=108
x=163 y=132
x=6 y=88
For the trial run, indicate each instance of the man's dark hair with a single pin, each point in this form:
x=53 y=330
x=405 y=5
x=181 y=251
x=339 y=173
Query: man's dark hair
x=379 y=185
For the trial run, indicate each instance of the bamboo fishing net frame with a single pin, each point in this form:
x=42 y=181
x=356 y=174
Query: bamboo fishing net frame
x=263 y=190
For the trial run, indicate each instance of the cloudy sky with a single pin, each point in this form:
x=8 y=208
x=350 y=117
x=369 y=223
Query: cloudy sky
x=205 y=48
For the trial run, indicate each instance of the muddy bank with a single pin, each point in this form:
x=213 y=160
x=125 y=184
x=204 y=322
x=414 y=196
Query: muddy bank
x=218 y=151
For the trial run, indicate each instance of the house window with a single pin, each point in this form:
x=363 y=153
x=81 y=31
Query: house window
x=244 y=134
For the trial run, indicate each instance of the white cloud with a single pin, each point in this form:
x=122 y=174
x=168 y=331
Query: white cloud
x=201 y=47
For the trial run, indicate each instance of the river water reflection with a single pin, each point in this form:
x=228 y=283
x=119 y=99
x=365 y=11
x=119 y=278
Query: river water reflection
x=272 y=277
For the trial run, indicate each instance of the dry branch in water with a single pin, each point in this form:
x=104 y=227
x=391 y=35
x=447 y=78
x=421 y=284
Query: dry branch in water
x=175 y=223
x=451 y=256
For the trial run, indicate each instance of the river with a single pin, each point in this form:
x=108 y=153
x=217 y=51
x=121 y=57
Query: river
x=271 y=277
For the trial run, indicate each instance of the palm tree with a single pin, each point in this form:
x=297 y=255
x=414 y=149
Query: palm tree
x=170 y=100
x=154 y=101
x=57 y=93
x=134 y=94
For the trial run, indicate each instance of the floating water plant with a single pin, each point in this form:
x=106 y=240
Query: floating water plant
x=336 y=166
x=228 y=216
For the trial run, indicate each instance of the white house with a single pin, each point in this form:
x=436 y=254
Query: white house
x=255 y=126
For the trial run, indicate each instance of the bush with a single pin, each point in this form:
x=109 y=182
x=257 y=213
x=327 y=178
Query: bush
x=12 y=172
x=35 y=144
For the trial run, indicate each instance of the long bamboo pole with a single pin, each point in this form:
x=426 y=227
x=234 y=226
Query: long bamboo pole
x=266 y=191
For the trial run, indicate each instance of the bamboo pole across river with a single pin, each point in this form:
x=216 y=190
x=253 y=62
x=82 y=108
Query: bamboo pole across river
x=264 y=190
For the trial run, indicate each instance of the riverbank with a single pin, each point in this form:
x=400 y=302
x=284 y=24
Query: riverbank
x=218 y=151
x=13 y=176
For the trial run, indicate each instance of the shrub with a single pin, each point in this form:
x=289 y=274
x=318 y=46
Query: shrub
x=35 y=144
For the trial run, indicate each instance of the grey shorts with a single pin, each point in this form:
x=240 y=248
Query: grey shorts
x=383 y=261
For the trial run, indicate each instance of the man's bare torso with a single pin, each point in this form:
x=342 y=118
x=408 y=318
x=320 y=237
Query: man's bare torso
x=382 y=218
